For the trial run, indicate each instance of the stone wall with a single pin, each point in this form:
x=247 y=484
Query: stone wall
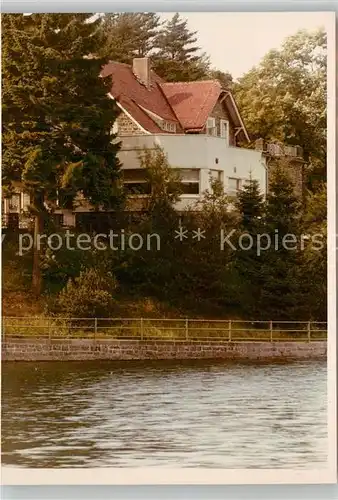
x=34 y=349
x=126 y=126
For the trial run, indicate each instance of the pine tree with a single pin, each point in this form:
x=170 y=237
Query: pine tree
x=280 y=297
x=128 y=35
x=57 y=117
x=202 y=266
x=247 y=261
x=250 y=205
x=178 y=58
x=153 y=269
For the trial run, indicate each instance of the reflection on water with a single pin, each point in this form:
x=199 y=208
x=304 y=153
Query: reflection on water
x=189 y=414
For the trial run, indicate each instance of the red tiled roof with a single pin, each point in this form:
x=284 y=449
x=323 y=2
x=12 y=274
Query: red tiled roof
x=139 y=115
x=131 y=94
x=188 y=104
x=192 y=102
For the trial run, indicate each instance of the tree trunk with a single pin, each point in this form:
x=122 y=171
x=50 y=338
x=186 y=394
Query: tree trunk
x=38 y=230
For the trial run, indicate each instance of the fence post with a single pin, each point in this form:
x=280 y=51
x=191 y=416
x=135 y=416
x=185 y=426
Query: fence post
x=309 y=331
x=271 y=331
x=186 y=329
x=229 y=339
x=141 y=328
x=95 y=328
x=49 y=331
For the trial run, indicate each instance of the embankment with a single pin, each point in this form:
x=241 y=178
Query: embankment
x=35 y=349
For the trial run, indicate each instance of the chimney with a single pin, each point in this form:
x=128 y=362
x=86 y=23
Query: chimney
x=260 y=145
x=141 y=69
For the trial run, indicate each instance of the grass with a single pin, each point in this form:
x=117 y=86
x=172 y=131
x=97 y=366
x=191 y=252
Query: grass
x=24 y=316
x=158 y=329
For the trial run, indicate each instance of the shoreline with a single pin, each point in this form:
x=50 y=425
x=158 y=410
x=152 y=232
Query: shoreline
x=37 y=349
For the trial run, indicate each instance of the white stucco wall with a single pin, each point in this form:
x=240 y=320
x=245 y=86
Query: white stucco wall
x=199 y=151
x=190 y=151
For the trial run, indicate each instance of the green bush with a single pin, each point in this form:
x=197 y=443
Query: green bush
x=89 y=295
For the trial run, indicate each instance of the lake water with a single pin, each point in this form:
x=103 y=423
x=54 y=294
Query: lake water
x=188 y=414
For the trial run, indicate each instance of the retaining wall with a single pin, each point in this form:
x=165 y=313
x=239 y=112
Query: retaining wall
x=34 y=349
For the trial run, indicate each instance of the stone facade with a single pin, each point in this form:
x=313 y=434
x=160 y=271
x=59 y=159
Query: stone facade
x=289 y=157
x=126 y=126
x=220 y=112
x=31 y=349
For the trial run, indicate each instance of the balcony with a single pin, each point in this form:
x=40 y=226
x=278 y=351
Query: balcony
x=201 y=152
x=279 y=150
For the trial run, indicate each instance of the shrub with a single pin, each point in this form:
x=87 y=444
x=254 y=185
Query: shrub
x=89 y=295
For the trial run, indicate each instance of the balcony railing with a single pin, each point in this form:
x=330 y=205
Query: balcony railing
x=279 y=150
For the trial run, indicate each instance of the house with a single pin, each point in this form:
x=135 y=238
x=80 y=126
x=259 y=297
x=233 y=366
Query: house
x=198 y=125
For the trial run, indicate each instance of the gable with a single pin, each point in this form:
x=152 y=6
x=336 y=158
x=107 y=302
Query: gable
x=192 y=101
x=178 y=107
x=234 y=114
x=135 y=97
x=220 y=112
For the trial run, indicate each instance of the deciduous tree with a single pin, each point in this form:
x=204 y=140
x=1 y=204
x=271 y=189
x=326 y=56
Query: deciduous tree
x=284 y=98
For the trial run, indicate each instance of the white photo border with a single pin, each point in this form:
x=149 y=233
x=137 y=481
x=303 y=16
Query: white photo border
x=154 y=476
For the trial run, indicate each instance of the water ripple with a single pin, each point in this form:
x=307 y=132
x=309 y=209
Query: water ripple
x=191 y=414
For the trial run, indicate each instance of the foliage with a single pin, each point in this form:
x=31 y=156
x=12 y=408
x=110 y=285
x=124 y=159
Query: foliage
x=152 y=268
x=199 y=277
x=247 y=282
x=91 y=294
x=314 y=262
x=277 y=98
x=57 y=128
x=280 y=294
x=57 y=142
x=128 y=34
x=204 y=266
x=163 y=179
x=56 y=123
x=177 y=58
x=224 y=78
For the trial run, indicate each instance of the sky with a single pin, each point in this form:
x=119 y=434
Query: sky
x=237 y=41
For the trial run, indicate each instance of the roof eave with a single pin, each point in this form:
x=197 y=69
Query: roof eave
x=241 y=125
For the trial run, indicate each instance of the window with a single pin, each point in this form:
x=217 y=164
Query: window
x=190 y=188
x=14 y=202
x=26 y=200
x=211 y=126
x=224 y=130
x=234 y=185
x=216 y=175
x=135 y=182
x=169 y=127
x=190 y=180
x=134 y=188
